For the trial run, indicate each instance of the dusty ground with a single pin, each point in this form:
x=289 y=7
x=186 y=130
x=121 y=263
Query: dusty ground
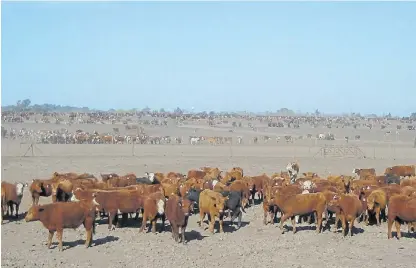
x=254 y=245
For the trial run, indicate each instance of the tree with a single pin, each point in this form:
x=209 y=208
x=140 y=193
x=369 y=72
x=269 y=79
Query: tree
x=178 y=111
x=317 y=112
x=26 y=103
x=413 y=116
x=162 y=110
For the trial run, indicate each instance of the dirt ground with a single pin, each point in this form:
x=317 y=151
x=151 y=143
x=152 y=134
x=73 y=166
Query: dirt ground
x=254 y=245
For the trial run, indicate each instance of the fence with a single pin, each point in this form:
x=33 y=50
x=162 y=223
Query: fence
x=340 y=151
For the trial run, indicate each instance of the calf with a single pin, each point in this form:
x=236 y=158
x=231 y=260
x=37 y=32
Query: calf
x=401 y=208
x=11 y=194
x=234 y=204
x=350 y=208
x=153 y=208
x=211 y=203
x=57 y=216
x=376 y=203
x=177 y=213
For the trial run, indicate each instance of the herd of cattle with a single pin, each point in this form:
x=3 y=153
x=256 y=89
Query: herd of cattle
x=78 y=199
x=64 y=136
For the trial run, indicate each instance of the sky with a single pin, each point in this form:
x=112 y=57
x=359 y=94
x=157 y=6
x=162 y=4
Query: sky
x=224 y=56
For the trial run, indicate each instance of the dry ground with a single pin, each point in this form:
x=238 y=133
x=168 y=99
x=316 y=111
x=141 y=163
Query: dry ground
x=254 y=245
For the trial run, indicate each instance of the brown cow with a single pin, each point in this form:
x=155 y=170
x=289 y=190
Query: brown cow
x=11 y=194
x=376 y=203
x=211 y=203
x=401 y=208
x=239 y=169
x=350 y=208
x=408 y=182
x=40 y=188
x=62 y=190
x=127 y=201
x=300 y=204
x=403 y=171
x=197 y=174
x=58 y=216
x=177 y=213
x=363 y=172
x=153 y=208
x=259 y=182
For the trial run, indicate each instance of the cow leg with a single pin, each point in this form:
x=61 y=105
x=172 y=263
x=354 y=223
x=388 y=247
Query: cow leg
x=111 y=218
x=344 y=224
x=153 y=221
x=183 y=228
x=221 y=221
x=89 y=226
x=11 y=209
x=144 y=221
x=17 y=211
x=174 y=234
x=282 y=221
x=377 y=210
x=352 y=226
x=389 y=225
x=201 y=218
x=293 y=219
x=59 y=234
x=336 y=223
x=399 y=233
x=366 y=218
x=266 y=212
x=50 y=236
x=211 y=220
x=163 y=218
x=318 y=217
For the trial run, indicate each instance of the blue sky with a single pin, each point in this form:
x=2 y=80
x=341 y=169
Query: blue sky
x=335 y=57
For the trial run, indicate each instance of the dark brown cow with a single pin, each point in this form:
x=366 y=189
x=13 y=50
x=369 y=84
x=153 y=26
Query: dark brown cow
x=58 y=216
x=177 y=213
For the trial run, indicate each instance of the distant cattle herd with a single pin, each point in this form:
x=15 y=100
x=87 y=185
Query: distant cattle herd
x=78 y=198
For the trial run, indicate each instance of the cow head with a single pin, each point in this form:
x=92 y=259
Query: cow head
x=219 y=203
x=20 y=188
x=370 y=202
x=186 y=205
x=356 y=171
x=150 y=176
x=334 y=201
x=34 y=213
